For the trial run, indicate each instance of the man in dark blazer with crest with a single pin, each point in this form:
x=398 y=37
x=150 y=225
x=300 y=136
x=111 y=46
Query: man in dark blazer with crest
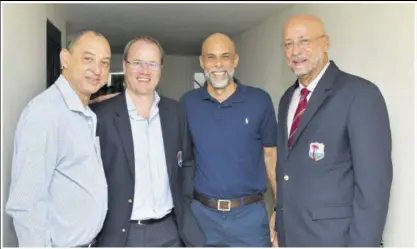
x=334 y=169
x=147 y=159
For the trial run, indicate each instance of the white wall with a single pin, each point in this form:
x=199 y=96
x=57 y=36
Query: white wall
x=116 y=65
x=177 y=73
x=24 y=76
x=375 y=41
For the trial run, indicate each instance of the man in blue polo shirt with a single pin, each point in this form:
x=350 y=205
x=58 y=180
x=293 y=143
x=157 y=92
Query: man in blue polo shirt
x=233 y=128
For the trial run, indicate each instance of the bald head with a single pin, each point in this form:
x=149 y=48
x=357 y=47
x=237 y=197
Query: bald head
x=217 y=38
x=311 y=23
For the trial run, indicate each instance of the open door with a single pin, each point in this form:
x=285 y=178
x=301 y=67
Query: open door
x=53 y=48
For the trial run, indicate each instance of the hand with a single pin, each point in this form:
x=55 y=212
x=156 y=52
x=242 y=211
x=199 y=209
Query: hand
x=274 y=236
x=274 y=240
x=102 y=98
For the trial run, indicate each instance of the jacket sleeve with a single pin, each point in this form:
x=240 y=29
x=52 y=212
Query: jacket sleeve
x=370 y=141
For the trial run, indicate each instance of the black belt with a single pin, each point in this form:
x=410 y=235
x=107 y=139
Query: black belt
x=150 y=221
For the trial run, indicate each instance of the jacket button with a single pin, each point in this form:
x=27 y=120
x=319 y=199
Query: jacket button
x=286 y=177
x=123 y=230
x=130 y=201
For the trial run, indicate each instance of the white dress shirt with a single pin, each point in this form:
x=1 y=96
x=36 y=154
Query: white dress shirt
x=152 y=198
x=296 y=96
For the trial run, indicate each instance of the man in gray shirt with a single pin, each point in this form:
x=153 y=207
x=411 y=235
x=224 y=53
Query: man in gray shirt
x=58 y=193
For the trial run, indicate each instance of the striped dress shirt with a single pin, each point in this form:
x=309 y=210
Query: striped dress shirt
x=58 y=192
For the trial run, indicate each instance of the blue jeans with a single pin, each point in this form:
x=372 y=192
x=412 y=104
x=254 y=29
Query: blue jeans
x=246 y=226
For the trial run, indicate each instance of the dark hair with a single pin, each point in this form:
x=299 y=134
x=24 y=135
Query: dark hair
x=74 y=38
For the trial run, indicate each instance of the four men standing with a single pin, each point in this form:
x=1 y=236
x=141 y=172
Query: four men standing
x=194 y=173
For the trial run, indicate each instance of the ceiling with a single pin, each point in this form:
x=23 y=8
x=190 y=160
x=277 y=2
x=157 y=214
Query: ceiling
x=180 y=28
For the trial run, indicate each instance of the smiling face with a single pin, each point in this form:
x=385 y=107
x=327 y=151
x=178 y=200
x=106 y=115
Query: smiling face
x=305 y=45
x=218 y=60
x=87 y=64
x=142 y=67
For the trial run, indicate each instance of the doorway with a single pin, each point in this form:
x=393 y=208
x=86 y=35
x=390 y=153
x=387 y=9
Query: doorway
x=53 y=48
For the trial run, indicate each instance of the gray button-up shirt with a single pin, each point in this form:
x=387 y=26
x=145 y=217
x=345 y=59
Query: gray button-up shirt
x=58 y=194
x=153 y=198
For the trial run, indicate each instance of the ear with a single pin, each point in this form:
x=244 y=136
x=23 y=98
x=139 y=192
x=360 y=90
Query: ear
x=124 y=66
x=326 y=44
x=201 y=62
x=64 y=57
x=236 y=60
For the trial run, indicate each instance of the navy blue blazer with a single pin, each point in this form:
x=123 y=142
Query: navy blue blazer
x=333 y=185
x=117 y=152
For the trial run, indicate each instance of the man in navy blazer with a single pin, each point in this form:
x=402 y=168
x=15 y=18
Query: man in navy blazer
x=334 y=169
x=147 y=159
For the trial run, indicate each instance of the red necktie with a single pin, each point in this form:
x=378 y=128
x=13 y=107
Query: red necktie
x=302 y=104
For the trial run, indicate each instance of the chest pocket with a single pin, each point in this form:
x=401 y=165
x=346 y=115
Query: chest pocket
x=244 y=127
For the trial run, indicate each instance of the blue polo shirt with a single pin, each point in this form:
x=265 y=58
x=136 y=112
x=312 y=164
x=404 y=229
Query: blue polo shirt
x=228 y=140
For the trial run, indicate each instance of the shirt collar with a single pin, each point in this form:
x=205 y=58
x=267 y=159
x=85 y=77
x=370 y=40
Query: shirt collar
x=131 y=107
x=314 y=83
x=70 y=97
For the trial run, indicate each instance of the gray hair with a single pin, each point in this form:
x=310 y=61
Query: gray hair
x=75 y=37
x=146 y=39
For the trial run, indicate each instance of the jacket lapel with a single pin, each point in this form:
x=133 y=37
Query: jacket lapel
x=165 y=115
x=124 y=130
x=319 y=96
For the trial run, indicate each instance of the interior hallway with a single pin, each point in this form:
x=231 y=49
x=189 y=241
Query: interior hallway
x=375 y=41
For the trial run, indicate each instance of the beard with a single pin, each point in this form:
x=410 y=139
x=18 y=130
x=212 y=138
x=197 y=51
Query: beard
x=300 y=72
x=219 y=84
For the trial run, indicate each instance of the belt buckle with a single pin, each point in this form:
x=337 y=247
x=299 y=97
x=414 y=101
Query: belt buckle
x=229 y=205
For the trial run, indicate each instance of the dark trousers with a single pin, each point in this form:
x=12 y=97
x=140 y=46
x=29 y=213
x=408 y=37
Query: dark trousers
x=161 y=234
x=246 y=226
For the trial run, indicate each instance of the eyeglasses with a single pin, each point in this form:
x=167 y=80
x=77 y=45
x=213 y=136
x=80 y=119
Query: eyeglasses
x=137 y=64
x=303 y=43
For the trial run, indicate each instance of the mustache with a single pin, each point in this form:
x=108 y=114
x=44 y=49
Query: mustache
x=298 y=58
x=218 y=70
